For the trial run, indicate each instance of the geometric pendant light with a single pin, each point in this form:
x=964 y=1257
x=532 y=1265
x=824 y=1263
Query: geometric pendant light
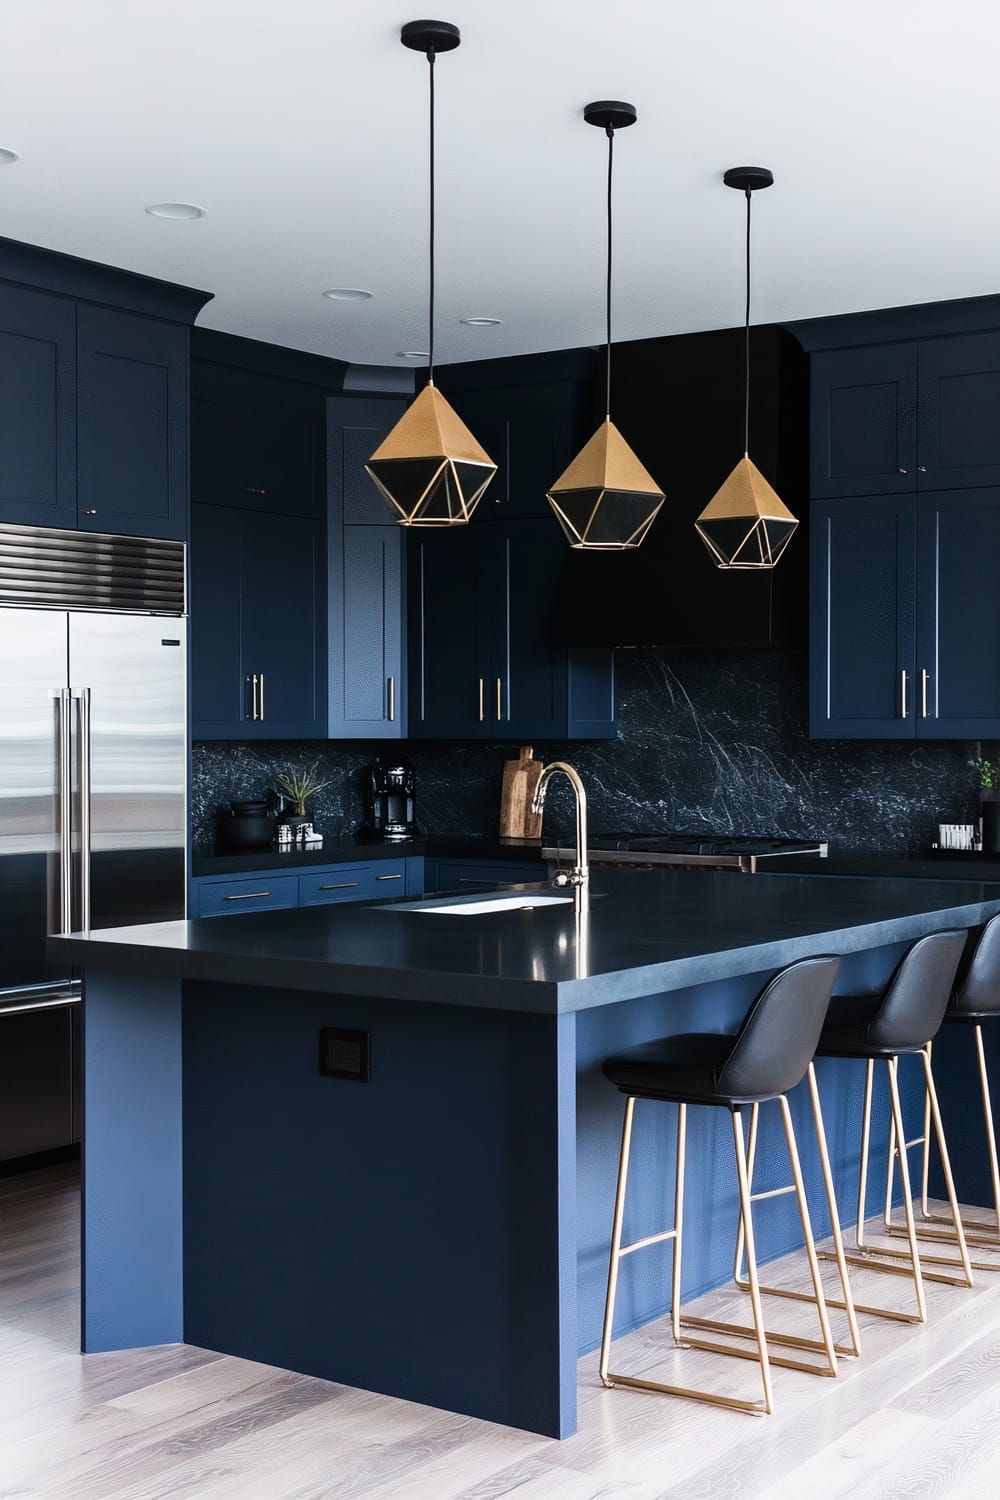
x=745 y=525
x=606 y=501
x=430 y=468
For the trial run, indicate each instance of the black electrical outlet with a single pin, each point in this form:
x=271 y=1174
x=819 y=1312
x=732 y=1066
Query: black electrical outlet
x=345 y=1054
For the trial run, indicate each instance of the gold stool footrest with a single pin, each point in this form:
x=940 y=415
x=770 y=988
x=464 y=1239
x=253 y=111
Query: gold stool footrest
x=745 y=1331
x=755 y=1408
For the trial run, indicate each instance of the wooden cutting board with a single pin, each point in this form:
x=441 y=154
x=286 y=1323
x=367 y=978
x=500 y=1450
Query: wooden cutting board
x=520 y=778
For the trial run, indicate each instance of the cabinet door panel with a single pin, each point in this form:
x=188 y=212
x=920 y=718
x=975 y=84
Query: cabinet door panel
x=36 y=1085
x=216 y=666
x=958 y=614
x=863 y=439
x=131 y=424
x=531 y=666
x=37 y=409
x=959 y=435
x=257 y=454
x=282 y=566
x=862 y=619
x=367 y=690
x=450 y=667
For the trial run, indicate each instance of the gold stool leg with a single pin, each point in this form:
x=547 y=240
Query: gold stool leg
x=618 y=1251
x=977 y=1232
x=825 y=1343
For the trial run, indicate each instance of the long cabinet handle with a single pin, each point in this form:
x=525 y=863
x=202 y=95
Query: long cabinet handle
x=482 y=700
x=247 y=896
x=499 y=701
x=388 y=877
x=262 y=696
x=923 y=693
x=253 y=696
x=392 y=699
x=64 y=701
x=85 y=789
x=902 y=694
x=341 y=885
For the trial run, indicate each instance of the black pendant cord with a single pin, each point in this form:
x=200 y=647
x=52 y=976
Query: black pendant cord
x=611 y=155
x=430 y=312
x=746 y=396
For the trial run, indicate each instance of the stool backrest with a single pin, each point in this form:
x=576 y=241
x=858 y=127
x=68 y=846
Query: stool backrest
x=778 y=1038
x=978 y=988
x=914 y=1004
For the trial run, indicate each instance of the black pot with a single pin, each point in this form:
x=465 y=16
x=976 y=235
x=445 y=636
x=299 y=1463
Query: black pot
x=255 y=809
x=244 y=832
x=991 y=827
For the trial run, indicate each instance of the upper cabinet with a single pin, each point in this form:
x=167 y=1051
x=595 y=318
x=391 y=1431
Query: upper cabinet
x=258 y=544
x=892 y=418
x=487 y=656
x=366 y=552
x=94 y=386
x=37 y=408
x=905 y=464
x=132 y=416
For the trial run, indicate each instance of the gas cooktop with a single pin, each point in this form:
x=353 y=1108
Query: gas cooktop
x=726 y=852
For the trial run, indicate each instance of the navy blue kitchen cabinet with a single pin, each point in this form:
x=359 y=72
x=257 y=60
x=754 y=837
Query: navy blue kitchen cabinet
x=862 y=635
x=485 y=660
x=256 y=441
x=530 y=432
x=366 y=560
x=132 y=421
x=894 y=418
x=905 y=637
x=325 y=885
x=37 y=408
x=258 y=625
x=455 y=874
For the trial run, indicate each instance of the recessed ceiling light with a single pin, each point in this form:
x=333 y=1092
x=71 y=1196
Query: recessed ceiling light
x=7 y=156
x=175 y=211
x=412 y=354
x=481 y=322
x=348 y=294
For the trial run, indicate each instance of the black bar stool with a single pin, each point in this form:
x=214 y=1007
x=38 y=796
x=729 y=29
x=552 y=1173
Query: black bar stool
x=975 y=998
x=768 y=1056
x=899 y=1021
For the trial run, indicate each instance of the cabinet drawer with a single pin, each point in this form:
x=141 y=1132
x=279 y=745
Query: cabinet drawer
x=354 y=882
x=453 y=874
x=229 y=897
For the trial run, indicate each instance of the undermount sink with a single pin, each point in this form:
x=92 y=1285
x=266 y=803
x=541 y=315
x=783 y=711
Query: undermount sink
x=488 y=904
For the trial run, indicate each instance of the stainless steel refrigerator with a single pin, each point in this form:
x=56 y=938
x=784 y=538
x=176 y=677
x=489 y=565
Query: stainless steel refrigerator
x=93 y=773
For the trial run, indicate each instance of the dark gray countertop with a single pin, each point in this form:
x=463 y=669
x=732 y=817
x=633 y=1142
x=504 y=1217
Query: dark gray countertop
x=914 y=867
x=648 y=932
x=349 y=848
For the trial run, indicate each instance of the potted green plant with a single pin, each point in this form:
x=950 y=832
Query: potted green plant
x=297 y=786
x=989 y=802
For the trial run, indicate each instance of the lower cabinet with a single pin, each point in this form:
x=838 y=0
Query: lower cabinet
x=38 y=1104
x=454 y=874
x=268 y=890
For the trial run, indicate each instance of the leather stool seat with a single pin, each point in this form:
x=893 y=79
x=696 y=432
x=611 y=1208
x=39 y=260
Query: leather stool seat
x=851 y=1029
x=684 y=1068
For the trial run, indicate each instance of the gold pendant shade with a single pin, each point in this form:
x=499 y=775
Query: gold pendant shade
x=430 y=468
x=606 y=500
x=746 y=524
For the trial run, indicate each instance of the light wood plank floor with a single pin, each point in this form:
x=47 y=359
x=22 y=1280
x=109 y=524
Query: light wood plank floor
x=918 y=1415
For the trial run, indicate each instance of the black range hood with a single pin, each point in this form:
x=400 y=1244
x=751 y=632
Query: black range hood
x=679 y=404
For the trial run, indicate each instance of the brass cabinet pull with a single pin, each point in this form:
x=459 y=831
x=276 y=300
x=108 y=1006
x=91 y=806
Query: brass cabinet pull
x=388 y=877
x=499 y=702
x=262 y=695
x=921 y=468
x=902 y=693
x=923 y=693
x=482 y=701
x=343 y=885
x=247 y=896
x=253 y=489
x=90 y=512
x=903 y=471
x=253 y=687
x=392 y=699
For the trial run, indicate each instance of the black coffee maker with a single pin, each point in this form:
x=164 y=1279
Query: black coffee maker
x=392 y=784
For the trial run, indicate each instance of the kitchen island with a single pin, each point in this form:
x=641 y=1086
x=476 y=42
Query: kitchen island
x=433 y=1222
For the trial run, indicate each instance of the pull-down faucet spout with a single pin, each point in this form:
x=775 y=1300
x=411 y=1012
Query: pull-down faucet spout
x=580 y=874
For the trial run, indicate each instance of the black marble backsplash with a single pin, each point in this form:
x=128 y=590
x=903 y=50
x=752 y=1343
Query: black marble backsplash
x=707 y=741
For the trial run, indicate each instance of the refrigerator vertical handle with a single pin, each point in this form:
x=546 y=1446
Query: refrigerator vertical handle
x=85 y=840
x=64 y=701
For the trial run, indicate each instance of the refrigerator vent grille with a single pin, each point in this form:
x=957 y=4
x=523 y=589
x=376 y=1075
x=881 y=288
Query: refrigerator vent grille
x=41 y=567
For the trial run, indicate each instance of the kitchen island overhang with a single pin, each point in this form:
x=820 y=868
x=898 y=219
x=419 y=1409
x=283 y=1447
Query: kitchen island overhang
x=437 y=1234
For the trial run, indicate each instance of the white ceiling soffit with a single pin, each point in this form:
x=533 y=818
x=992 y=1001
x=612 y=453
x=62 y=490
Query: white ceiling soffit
x=301 y=128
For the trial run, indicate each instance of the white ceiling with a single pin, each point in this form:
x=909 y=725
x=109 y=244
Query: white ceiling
x=301 y=127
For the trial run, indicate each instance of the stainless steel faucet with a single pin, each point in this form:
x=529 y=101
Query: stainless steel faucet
x=580 y=874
